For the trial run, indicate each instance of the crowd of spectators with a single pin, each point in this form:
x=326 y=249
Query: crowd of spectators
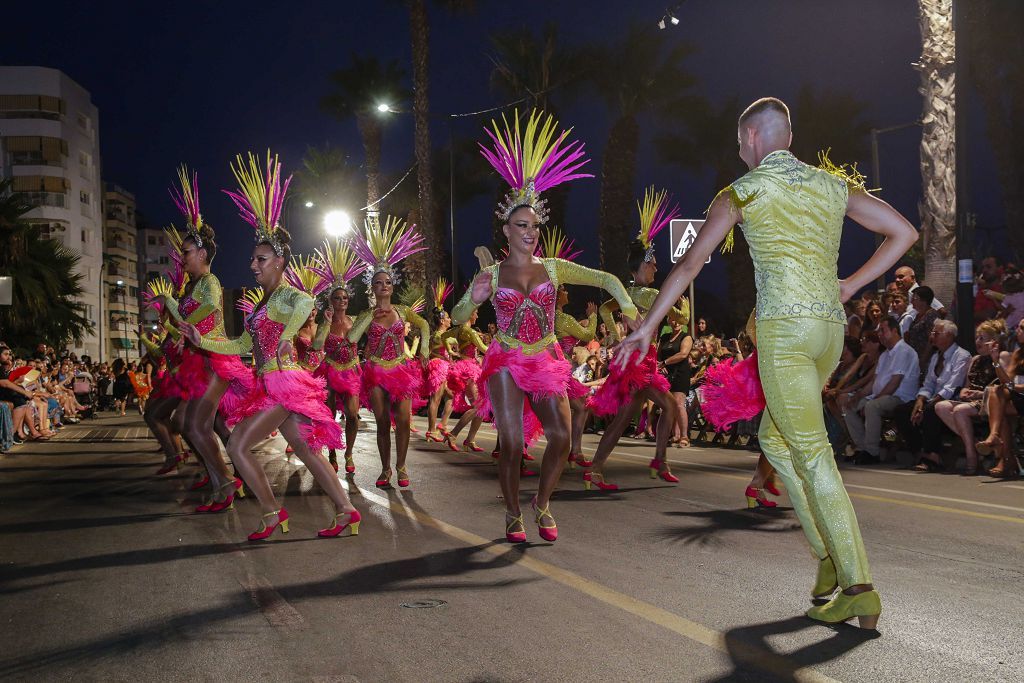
x=40 y=392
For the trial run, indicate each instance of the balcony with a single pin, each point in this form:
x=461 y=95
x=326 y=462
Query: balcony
x=55 y=199
x=35 y=159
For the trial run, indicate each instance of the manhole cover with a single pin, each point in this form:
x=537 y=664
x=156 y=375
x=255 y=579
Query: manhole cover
x=424 y=604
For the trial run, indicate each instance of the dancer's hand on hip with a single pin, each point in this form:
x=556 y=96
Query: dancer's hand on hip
x=846 y=291
x=284 y=350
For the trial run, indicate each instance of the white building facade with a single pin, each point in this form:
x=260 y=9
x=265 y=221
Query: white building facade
x=51 y=143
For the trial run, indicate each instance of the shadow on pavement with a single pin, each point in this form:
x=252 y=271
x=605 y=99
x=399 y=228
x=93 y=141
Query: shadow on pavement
x=393 y=576
x=719 y=521
x=86 y=523
x=753 y=659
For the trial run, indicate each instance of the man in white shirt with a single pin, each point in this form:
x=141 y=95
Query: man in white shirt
x=907 y=280
x=922 y=429
x=896 y=382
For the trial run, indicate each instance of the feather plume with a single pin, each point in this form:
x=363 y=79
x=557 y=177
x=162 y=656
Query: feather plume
x=655 y=214
x=555 y=244
x=302 y=274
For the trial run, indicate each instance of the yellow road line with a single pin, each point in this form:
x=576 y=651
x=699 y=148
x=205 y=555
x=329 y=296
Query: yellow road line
x=629 y=457
x=691 y=630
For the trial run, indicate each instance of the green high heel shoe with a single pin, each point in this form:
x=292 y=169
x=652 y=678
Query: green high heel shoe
x=866 y=606
x=827 y=582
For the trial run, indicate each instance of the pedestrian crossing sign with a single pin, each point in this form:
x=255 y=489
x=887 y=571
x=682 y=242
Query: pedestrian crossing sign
x=683 y=232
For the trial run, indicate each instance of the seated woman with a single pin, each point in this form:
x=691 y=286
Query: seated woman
x=959 y=414
x=1005 y=400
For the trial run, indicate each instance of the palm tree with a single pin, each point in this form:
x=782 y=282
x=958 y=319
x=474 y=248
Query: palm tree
x=356 y=92
x=327 y=178
x=637 y=76
x=938 y=148
x=44 y=305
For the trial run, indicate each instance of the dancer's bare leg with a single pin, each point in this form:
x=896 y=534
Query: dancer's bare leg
x=553 y=413
x=507 y=401
x=158 y=419
x=613 y=432
x=380 y=404
x=247 y=434
x=321 y=470
x=199 y=418
x=666 y=423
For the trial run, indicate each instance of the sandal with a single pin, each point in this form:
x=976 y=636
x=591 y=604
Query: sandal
x=927 y=465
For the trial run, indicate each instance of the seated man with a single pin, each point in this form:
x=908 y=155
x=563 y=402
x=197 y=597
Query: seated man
x=896 y=382
x=922 y=429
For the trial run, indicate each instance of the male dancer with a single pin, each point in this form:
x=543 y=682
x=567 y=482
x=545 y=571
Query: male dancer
x=792 y=216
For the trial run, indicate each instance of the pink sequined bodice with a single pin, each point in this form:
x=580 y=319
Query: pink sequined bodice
x=187 y=306
x=266 y=336
x=306 y=355
x=385 y=343
x=567 y=343
x=339 y=349
x=526 y=318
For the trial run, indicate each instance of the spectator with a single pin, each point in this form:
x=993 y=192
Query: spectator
x=907 y=280
x=990 y=279
x=20 y=397
x=921 y=427
x=959 y=414
x=873 y=315
x=898 y=309
x=701 y=328
x=122 y=385
x=1011 y=302
x=1006 y=399
x=920 y=331
x=851 y=368
x=674 y=357
x=896 y=380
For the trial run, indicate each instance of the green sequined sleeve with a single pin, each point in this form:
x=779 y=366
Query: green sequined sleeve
x=320 y=338
x=567 y=272
x=465 y=307
x=172 y=330
x=566 y=325
x=153 y=349
x=414 y=319
x=606 y=310
x=360 y=325
x=291 y=308
x=228 y=347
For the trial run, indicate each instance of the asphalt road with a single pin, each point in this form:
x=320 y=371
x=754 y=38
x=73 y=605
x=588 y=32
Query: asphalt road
x=106 y=575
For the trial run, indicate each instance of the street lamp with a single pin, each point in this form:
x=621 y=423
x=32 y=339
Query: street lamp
x=309 y=204
x=337 y=223
x=384 y=108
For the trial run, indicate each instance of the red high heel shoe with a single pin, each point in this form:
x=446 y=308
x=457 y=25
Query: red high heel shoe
x=471 y=447
x=403 y=478
x=517 y=522
x=436 y=438
x=200 y=484
x=239 y=488
x=384 y=480
x=527 y=456
x=264 y=531
x=450 y=440
x=172 y=467
x=213 y=505
x=442 y=430
x=334 y=464
x=412 y=429
x=525 y=471
x=756 y=499
x=289 y=449
x=771 y=488
x=657 y=472
x=335 y=530
x=591 y=479
x=350 y=464
x=548 y=532
x=495 y=454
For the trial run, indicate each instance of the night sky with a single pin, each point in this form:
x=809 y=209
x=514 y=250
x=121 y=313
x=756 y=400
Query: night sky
x=200 y=82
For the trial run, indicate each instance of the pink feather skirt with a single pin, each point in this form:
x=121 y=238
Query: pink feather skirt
x=732 y=392
x=463 y=373
x=299 y=392
x=621 y=385
x=539 y=376
x=403 y=381
x=342 y=382
x=437 y=373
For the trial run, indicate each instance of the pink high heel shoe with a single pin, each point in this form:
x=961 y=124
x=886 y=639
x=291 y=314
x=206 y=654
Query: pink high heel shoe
x=352 y=524
x=658 y=473
x=511 y=535
x=591 y=479
x=264 y=531
x=548 y=532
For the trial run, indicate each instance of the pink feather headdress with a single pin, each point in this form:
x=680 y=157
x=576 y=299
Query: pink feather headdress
x=187 y=200
x=655 y=214
x=440 y=291
x=384 y=247
x=532 y=161
x=260 y=197
x=302 y=274
x=251 y=298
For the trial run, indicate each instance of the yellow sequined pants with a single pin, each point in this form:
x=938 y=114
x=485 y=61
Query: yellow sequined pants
x=795 y=358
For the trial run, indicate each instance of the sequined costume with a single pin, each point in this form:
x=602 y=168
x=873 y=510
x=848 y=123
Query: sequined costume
x=466 y=370
x=340 y=366
x=525 y=344
x=202 y=308
x=439 y=368
x=385 y=363
x=307 y=356
x=793 y=220
x=168 y=349
x=621 y=384
x=570 y=334
x=283 y=382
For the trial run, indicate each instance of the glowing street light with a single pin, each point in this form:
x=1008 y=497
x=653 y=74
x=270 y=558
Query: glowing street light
x=309 y=204
x=337 y=223
x=383 y=108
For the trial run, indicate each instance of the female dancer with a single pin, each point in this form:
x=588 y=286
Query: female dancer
x=524 y=374
x=440 y=357
x=640 y=383
x=204 y=375
x=303 y=275
x=390 y=378
x=462 y=382
x=570 y=334
x=167 y=394
x=284 y=396
x=337 y=267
